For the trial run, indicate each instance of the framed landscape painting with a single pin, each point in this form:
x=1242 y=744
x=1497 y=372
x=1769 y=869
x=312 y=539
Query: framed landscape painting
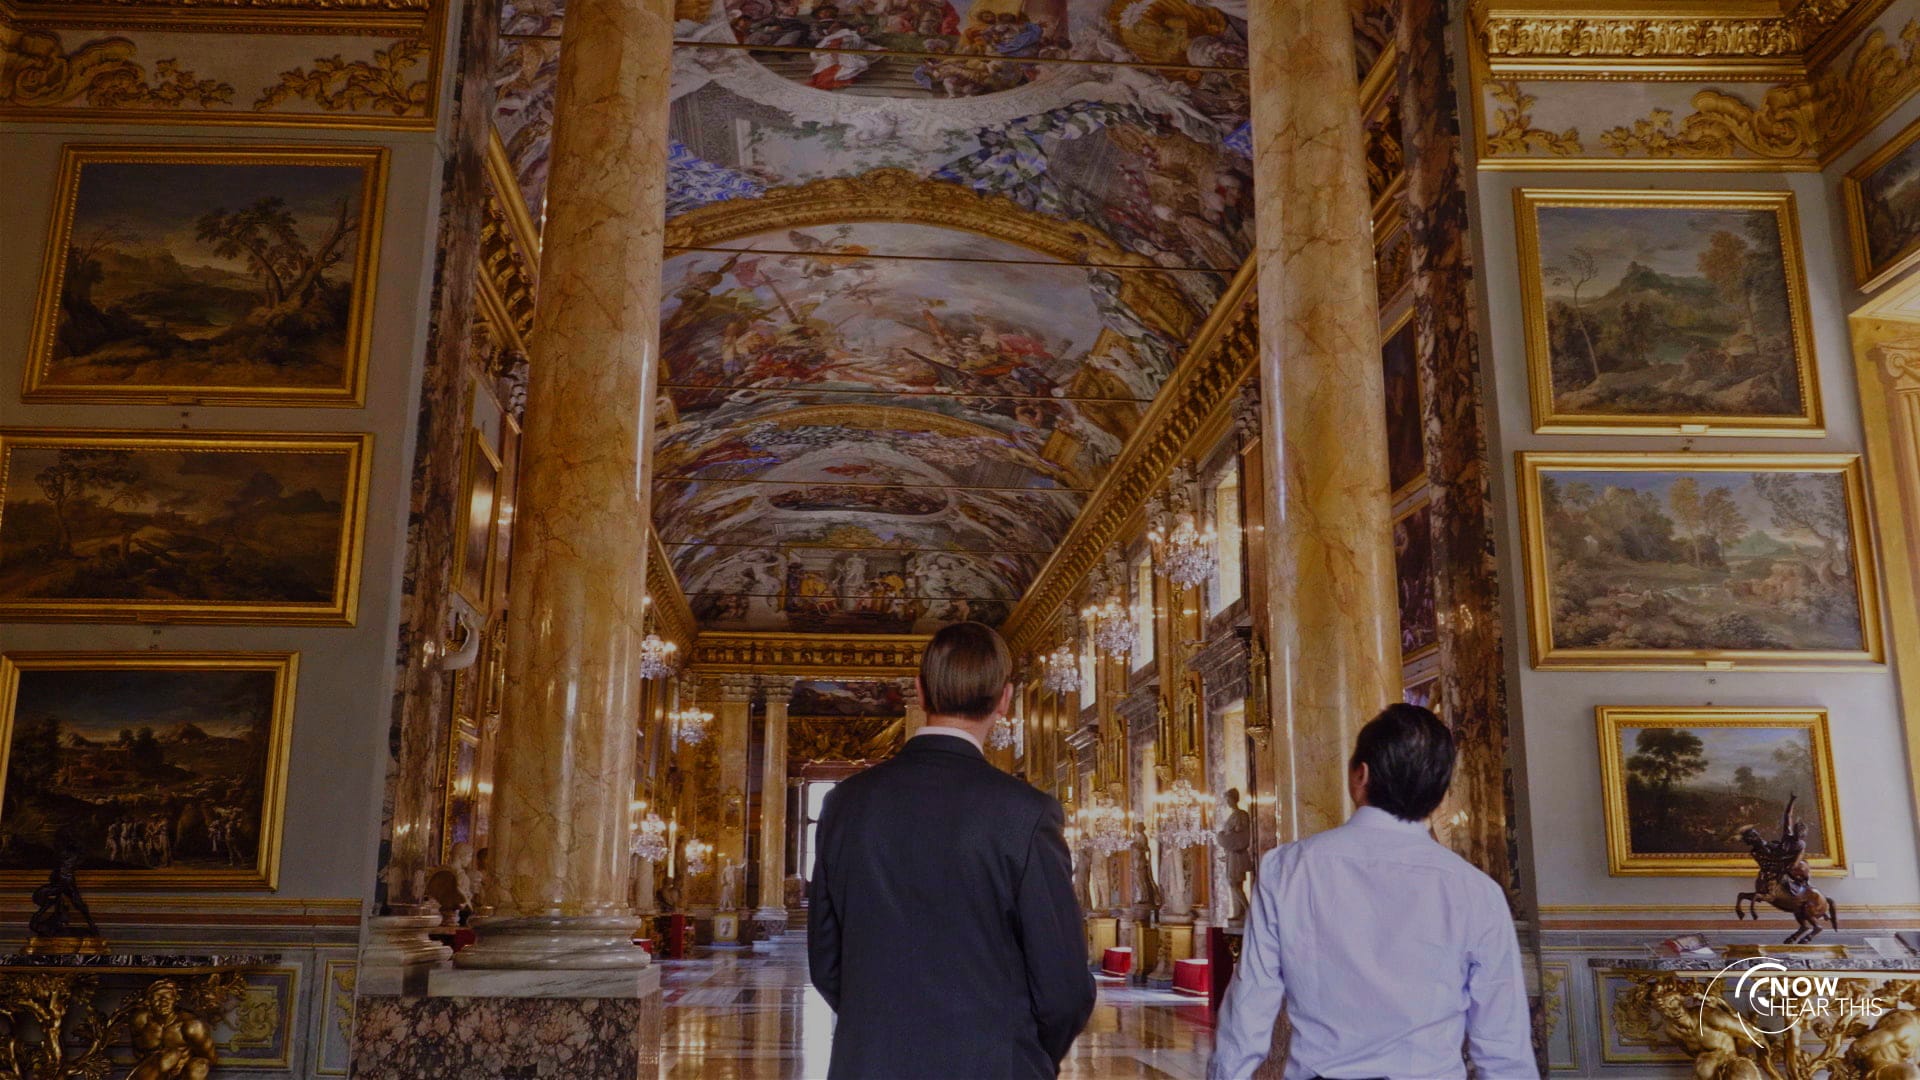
x=1692 y=561
x=209 y=274
x=1882 y=196
x=1666 y=312
x=181 y=526
x=1681 y=784
x=162 y=770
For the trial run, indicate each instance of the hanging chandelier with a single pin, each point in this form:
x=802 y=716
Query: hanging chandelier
x=1183 y=552
x=656 y=656
x=698 y=854
x=1107 y=619
x=1060 y=671
x=1103 y=822
x=690 y=725
x=1180 y=816
x=1003 y=732
x=650 y=838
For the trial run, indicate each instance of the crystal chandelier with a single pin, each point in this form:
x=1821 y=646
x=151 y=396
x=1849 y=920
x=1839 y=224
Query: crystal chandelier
x=1060 y=671
x=698 y=853
x=1108 y=621
x=650 y=838
x=656 y=656
x=1103 y=822
x=1003 y=732
x=1180 y=814
x=1184 y=552
x=690 y=725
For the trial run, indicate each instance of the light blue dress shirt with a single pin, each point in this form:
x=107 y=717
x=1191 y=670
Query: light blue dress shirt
x=1391 y=954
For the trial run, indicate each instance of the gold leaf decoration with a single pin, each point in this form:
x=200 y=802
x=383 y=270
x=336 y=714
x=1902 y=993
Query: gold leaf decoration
x=1513 y=131
x=337 y=84
x=1880 y=75
x=36 y=70
x=1643 y=37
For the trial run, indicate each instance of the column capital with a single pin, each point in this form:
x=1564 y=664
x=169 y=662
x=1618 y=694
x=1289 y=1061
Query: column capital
x=1900 y=361
x=777 y=688
x=735 y=689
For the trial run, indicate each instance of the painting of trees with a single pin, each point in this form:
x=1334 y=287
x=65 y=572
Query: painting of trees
x=1664 y=757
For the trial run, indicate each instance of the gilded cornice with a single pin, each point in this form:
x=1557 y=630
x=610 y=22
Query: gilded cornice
x=1202 y=387
x=505 y=185
x=672 y=616
x=1525 y=36
x=508 y=267
x=819 y=656
x=384 y=17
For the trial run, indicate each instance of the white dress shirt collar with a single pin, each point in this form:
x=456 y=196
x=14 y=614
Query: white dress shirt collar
x=1372 y=817
x=958 y=733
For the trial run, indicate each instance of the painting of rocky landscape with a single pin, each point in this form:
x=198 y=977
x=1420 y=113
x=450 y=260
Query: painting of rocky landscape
x=158 y=769
x=1648 y=560
x=206 y=527
x=1883 y=209
x=1673 y=310
x=211 y=274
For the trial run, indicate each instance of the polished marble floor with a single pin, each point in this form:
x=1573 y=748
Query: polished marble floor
x=751 y=1014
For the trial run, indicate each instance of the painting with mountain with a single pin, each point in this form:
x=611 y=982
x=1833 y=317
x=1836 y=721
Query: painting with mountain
x=208 y=527
x=221 y=275
x=1882 y=196
x=159 y=769
x=1674 y=310
x=1682 y=784
x=1655 y=560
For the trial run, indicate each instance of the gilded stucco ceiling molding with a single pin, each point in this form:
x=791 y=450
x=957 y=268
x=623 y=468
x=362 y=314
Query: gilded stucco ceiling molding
x=820 y=656
x=1517 y=36
x=383 y=83
x=672 y=615
x=1512 y=130
x=38 y=70
x=226 y=16
x=896 y=195
x=1222 y=354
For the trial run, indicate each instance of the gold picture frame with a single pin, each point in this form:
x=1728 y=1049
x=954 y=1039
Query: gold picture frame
x=282 y=514
x=247 y=228
x=1595 y=269
x=191 y=834
x=1868 y=273
x=1723 y=803
x=1722 y=599
x=480 y=475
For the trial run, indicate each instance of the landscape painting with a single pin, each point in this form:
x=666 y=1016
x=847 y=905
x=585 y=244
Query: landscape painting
x=1681 y=785
x=1684 y=560
x=1413 y=570
x=201 y=527
x=1673 y=311
x=161 y=770
x=1882 y=197
x=1406 y=428
x=215 y=275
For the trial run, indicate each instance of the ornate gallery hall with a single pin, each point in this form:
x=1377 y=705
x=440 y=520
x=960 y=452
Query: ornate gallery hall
x=475 y=475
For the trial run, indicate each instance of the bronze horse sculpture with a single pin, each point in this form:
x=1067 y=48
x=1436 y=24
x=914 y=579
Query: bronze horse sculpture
x=1784 y=880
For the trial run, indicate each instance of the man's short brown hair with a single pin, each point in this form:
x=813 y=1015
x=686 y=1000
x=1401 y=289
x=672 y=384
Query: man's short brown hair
x=963 y=671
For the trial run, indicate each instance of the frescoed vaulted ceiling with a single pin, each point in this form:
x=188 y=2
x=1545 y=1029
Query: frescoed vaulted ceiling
x=929 y=262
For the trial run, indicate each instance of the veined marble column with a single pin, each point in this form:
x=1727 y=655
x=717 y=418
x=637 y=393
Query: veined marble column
x=916 y=709
x=733 y=725
x=772 y=912
x=1332 y=621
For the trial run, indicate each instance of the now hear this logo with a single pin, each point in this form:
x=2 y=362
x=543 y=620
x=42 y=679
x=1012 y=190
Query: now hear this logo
x=1771 y=999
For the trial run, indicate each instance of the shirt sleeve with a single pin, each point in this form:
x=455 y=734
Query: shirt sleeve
x=1499 y=1027
x=1252 y=1004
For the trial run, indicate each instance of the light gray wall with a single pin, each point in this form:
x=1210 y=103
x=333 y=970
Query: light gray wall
x=1560 y=771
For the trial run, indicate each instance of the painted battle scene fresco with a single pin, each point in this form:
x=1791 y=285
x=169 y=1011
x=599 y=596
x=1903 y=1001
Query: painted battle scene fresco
x=156 y=771
x=1687 y=788
x=229 y=274
x=848 y=699
x=1413 y=570
x=1883 y=204
x=1759 y=560
x=1687 y=309
x=206 y=527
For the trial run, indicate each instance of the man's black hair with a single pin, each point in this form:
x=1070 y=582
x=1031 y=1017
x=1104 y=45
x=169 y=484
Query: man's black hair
x=1409 y=756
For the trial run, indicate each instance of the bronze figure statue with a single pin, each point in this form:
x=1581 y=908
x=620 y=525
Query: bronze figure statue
x=173 y=1043
x=58 y=905
x=1784 y=880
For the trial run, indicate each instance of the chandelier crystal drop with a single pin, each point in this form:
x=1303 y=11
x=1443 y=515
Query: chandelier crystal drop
x=699 y=852
x=1186 y=551
x=1003 y=732
x=1180 y=814
x=650 y=838
x=1103 y=823
x=1109 y=626
x=1060 y=671
x=690 y=725
x=656 y=656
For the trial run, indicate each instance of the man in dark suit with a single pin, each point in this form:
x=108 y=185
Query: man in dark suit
x=942 y=925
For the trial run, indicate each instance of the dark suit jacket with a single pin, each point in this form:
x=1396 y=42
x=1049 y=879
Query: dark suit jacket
x=942 y=924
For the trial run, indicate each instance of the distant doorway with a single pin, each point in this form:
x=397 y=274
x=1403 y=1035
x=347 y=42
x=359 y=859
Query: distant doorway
x=813 y=797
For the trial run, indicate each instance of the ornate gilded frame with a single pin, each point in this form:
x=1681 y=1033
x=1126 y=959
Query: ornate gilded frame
x=1865 y=274
x=1387 y=334
x=1548 y=419
x=355 y=452
x=478 y=451
x=1863 y=553
x=351 y=393
x=1622 y=861
x=1408 y=513
x=265 y=873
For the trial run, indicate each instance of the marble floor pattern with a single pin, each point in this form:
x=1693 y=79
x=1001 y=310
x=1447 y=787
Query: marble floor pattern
x=750 y=1014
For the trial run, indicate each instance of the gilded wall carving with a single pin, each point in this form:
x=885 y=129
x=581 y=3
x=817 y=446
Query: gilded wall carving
x=335 y=84
x=1790 y=34
x=38 y=69
x=1513 y=131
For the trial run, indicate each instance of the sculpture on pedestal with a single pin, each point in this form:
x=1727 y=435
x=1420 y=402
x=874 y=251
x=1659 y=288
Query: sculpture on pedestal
x=1176 y=885
x=729 y=885
x=1146 y=892
x=1784 y=880
x=61 y=921
x=1236 y=843
x=1083 y=875
x=172 y=1042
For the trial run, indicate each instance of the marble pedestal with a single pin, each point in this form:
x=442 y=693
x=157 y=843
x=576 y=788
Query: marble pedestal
x=770 y=922
x=500 y=1024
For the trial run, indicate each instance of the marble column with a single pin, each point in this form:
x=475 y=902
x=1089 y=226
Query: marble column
x=733 y=724
x=916 y=709
x=1332 y=621
x=771 y=915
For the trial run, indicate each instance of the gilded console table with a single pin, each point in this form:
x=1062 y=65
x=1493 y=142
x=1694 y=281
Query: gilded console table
x=1855 y=1019
x=55 y=1026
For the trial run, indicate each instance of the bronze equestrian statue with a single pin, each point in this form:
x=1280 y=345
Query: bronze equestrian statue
x=1784 y=880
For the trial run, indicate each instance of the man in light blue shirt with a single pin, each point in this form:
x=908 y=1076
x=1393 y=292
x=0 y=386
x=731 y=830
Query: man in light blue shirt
x=1391 y=953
